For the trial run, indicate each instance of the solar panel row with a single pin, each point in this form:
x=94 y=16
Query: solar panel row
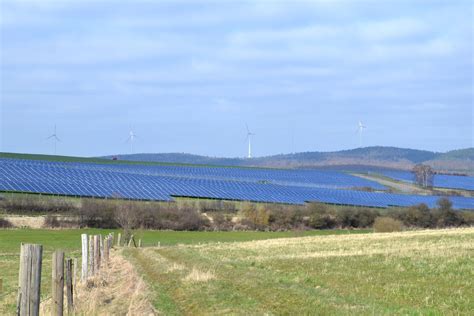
x=439 y=180
x=163 y=182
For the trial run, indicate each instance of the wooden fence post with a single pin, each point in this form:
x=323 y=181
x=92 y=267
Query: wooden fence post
x=119 y=237
x=74 y=277
x=106 y=250
x=91 y=271
x=85 y=257
x=57 y=284
x=31 y=259
x=69 y=286
x=101 y=247
x=139 y=243
x=96 y=253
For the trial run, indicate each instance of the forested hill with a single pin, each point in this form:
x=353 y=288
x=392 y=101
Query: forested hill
x=387 y=157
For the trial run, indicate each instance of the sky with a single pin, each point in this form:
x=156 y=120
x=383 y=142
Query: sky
x=187 y=76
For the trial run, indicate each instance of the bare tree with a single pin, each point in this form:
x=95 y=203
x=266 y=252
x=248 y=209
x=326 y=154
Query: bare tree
x=424 y=175
x=126 y=216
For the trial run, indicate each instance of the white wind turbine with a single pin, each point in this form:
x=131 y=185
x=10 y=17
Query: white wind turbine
x=131 y=139
x=360 y=129
x=249 y=137
x=55 y=138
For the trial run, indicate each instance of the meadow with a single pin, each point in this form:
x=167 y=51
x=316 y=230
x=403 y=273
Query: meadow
x=426 y=272
x=69 y=241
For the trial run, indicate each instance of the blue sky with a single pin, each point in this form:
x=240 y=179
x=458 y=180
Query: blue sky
x=188 y=75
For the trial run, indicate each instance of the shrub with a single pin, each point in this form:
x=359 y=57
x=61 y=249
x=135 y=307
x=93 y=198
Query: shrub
x=5 y=223
x=387 y=225
x=445 y=215
x=320 y=217
x=98 y=213
x=221 y=221
x=255 y=216
x=415 y=216
x=352 y=217
x=20 y=204
x=51 y=221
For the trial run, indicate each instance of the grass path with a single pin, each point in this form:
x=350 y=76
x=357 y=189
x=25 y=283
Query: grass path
x=423 y=272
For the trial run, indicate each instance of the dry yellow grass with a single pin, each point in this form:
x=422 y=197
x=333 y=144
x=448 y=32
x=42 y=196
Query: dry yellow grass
x=116 y=290
x=197 y=275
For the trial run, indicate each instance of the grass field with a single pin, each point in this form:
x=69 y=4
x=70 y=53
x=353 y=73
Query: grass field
x=69 y=241
x=409 y=273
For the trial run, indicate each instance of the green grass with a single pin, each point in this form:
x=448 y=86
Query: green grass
x=410 y=273
x=69 y=241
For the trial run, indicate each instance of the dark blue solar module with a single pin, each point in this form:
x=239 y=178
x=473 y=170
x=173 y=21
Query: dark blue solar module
x=157 y=182
x=439 y=180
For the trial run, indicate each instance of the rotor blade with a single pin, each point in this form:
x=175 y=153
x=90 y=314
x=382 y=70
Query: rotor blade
x=248 y=131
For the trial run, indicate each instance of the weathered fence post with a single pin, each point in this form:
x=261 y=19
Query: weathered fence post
x=91 y=271
x=101 y=247
x=31 y=258
x=85 y=257
x=106 y=250
x=139 y=243
x=69 y=286
x=57 y=284
x=74 y=278
x=96 y=253
x=119 y=236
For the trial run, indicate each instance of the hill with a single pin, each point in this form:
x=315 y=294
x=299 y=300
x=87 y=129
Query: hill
x=460 y=161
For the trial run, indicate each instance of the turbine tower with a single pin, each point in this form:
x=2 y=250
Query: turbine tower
x=55 y=138
x=131 y=139
x=360 y=128
x=249 y=139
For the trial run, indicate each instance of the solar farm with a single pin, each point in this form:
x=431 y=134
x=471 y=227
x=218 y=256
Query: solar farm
x=166 y=182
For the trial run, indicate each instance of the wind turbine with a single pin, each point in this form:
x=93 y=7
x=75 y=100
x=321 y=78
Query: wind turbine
x=360 y=128
x=131 y=139
x=249 y=136
x=55 y=138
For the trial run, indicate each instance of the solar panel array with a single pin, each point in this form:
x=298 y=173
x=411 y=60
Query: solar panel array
x=439 y=180
x=161 y=182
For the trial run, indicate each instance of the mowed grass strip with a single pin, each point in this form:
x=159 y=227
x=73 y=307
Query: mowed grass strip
x=421 y=272
x=69 y=240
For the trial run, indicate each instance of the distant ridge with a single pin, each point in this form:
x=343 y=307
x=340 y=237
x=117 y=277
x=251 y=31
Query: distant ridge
x=456 y=161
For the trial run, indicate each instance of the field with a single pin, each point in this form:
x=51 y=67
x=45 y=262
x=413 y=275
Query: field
x=323 y=272
x=421 y=272
x=69 y=241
